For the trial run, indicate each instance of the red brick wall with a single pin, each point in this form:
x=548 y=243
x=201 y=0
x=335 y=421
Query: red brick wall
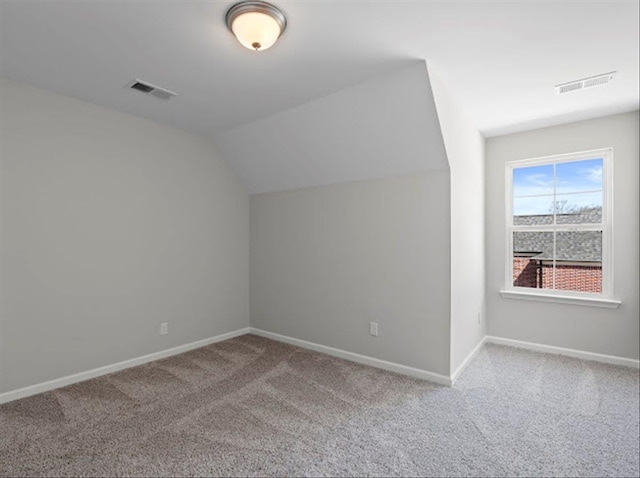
x=526 y=273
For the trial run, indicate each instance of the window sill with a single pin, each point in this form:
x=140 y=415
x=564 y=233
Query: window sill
x=562 y=299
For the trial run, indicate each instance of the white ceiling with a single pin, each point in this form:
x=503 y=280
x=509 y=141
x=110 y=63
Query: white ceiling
x=381 y=128
x=500 y=60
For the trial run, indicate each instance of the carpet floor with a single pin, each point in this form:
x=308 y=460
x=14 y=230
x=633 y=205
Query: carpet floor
x=250 y=406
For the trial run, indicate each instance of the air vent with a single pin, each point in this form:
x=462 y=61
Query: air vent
x=151 y=90
x=585 y=83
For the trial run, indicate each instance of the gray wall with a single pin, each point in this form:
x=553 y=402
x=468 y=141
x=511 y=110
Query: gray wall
x=604 y=331
x=325 y=261
x=111 y=224
x=465 y=152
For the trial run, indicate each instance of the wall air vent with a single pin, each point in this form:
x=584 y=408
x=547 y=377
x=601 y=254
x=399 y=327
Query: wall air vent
x=584 y=83
x=151 y=90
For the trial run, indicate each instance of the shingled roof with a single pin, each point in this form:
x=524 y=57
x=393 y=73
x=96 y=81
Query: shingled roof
x=591 y=215
x=574 y=246
x=571 y=246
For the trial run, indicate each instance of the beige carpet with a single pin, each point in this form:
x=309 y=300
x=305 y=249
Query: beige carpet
x=253 y=407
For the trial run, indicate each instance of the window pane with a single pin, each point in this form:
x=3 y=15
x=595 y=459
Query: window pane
x=578 y=176
x=581 y=208
x=547 y=201
x=579 y=261
x=529 y=267
x=535 y=180
x=533 y=210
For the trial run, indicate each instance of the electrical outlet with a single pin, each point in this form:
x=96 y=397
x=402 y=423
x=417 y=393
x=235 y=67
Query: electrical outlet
x=164 y=328
x=373 y=328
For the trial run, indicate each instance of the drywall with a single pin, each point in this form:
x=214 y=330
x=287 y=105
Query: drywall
x=382 y=128
x=604 y=331
x=111 y=224
x=465 y=152
x=326 y=261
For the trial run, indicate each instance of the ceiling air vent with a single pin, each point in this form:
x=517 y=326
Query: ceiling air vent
x=585 y=83
x=151 y=90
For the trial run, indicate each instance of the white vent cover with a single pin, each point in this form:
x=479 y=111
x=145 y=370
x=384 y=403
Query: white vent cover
x=152 y=90
x=585 y=83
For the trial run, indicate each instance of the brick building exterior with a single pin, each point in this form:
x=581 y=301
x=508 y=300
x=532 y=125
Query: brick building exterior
x=577 y=254
x=577 y=277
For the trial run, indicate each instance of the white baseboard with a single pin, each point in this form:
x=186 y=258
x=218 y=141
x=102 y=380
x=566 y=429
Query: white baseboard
x=97 y=372
x=354 y=357
x=466 y=361
x=580 y=354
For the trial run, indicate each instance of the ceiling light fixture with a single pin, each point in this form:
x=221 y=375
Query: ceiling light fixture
x=256 y=25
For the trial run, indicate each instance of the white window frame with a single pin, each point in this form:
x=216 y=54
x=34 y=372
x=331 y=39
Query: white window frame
x=605 y=299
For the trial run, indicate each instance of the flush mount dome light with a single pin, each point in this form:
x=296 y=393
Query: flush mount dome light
x=256 y=25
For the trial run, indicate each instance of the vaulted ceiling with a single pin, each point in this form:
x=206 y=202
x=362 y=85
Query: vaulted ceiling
x=381 y=128
x=500 y=60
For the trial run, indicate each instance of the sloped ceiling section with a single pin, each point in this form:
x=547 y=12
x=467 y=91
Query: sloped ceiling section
x=382 y=128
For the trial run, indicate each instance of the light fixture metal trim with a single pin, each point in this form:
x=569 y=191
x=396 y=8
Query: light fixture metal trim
x=256 y=7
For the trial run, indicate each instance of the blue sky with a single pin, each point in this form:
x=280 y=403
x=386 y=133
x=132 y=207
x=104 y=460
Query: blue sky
x=582 y=177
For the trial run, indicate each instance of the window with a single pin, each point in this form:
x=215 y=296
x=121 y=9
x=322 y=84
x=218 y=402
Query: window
x=559 y=226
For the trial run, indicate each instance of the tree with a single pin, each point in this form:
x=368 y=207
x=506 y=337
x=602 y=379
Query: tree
x=563 y=206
